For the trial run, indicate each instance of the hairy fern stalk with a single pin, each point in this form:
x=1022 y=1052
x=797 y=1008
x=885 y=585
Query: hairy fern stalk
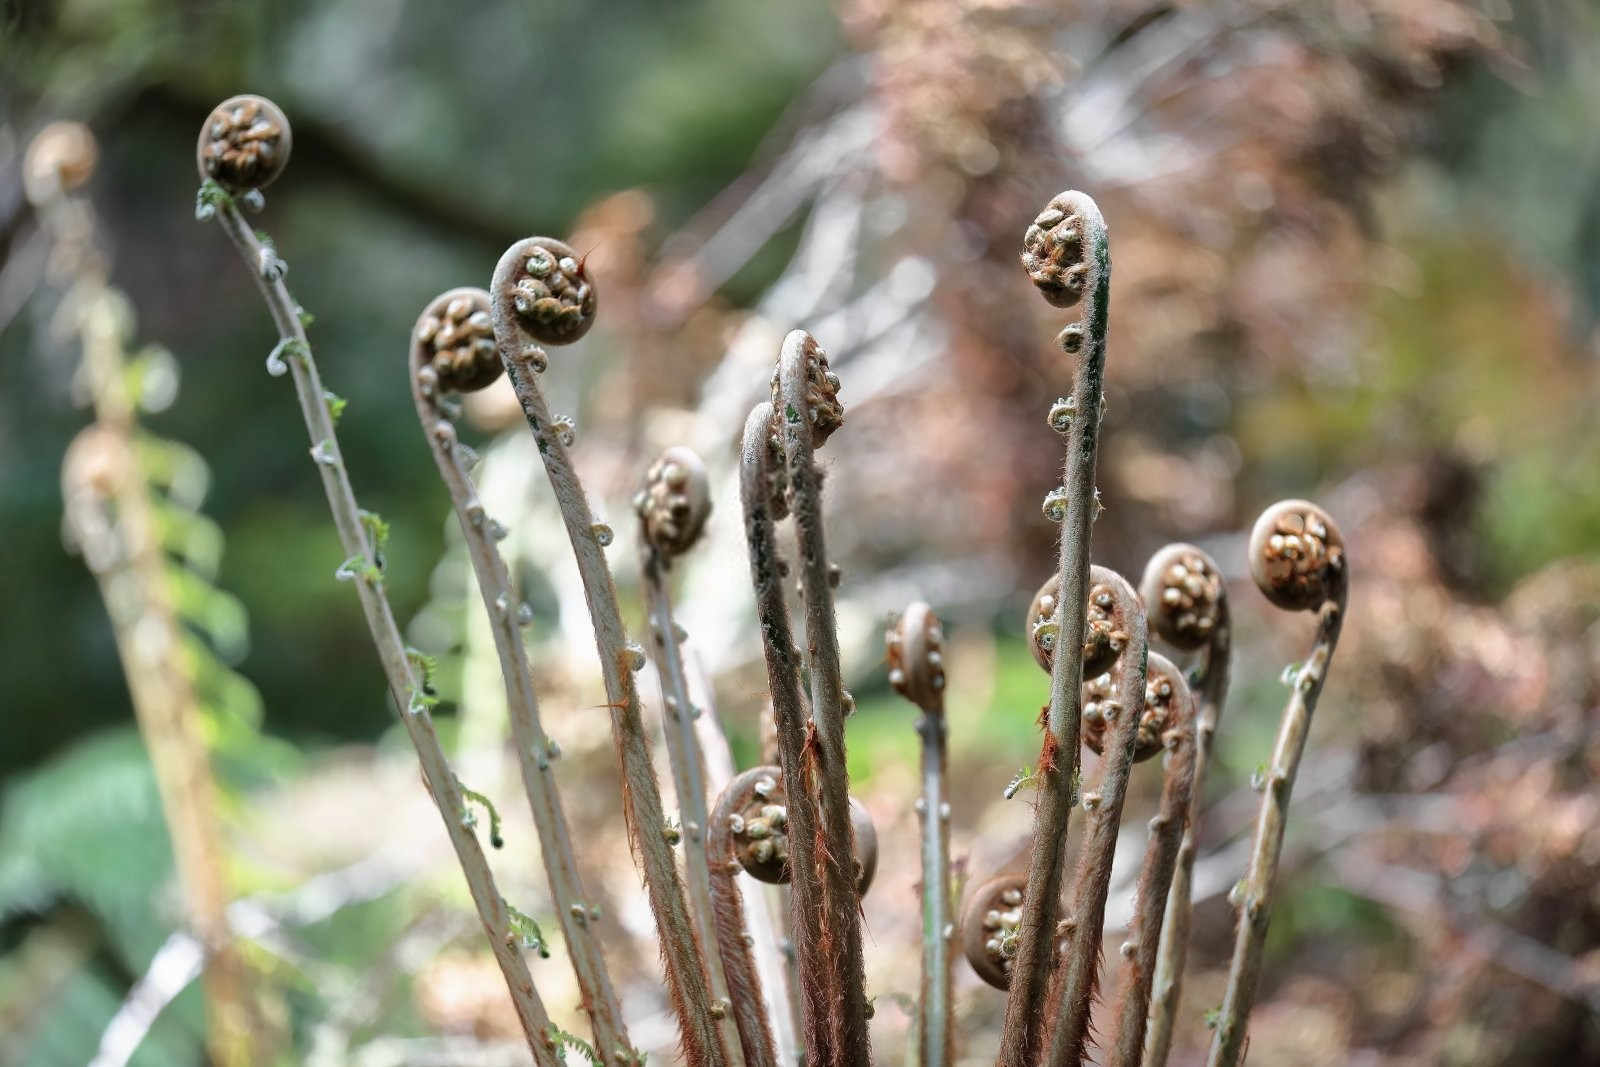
x=1032 y=929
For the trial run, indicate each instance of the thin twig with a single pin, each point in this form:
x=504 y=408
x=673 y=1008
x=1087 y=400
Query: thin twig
x=267 y=271
x=535 y=752
x=1075 y=234
x=642 y=808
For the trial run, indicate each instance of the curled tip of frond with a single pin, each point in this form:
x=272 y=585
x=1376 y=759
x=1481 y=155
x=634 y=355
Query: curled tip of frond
x=1168 y=707
x=824 y=412
x=1184 y=595
x=452 y=346
x=1297 y=555
x=757 y=820
x=674 y=502
x=915 y=645
x=540 y=287
x=1058 y=251
x=1105 y=634
x=866 y=845
x=989 y=926
x=61 y=156
x=244 y=143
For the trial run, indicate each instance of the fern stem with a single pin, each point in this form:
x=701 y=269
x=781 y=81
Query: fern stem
x=642 y=807
x=759 y=464
x=1078 y=973
x=760 y=920
x=533 y=747
x=1074 y=225
x=440 y=780
x=689 y=780
x=797 y=366
x=1212 y=690
x=749 y=1013
x=1255 y=891
x=1155 y=875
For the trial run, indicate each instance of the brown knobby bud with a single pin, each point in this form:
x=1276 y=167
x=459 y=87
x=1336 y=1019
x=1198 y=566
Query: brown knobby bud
x=454 y=340
x=759 y=823
x=1053 y=255
x=825 y=412
x=1297 y=555
x=1105 y=634
x=60 y=157
x=1166 y=706
x=1184 y=595
x=545 y=282
x=244 y=144
x=989 y=925
x=674 y=503
x=915 y=646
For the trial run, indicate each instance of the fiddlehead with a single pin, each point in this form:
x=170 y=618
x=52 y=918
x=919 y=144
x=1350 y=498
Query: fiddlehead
x=1297 y=560
x=915 y=646
x=805 y=412
x=1169 y=709
x=1066 y=253
x=453 y=350
x=1188 y=605
x=244 y=127
x=539 y=293
x=750 y=799
x=672 y=508
x=759 y=465
x=1118 y=726
x=989 y=925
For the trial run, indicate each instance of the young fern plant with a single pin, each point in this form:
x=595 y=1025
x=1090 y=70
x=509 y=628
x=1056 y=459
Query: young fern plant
x=540 y=295
x=1188 y=606
x=1067 y=255
x=1297 y=560
x=453 y=351
x=243 y=146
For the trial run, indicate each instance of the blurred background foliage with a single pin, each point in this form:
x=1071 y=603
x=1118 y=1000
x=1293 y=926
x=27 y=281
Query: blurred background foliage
x=1356 y=260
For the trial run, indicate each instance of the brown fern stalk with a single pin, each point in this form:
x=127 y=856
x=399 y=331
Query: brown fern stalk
x=806 y=411
x=672 y=509
x=242 y=146
x=761 y=496
x=916 y=671
x=1298 y=562
x=1188 y=605
x=453 y=351
x=727 y=827
x=539 y=293
x=1115 y=725
x=1166 y=689
x=1067 y=254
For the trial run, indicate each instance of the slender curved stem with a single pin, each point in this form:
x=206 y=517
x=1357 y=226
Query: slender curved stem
x=641 y=794
x=935 y=1017
x=749 y=1012
x=842 y=922
x=688 y=773
x=414 y=715
x=1212 y=689
x=1155 y=881
x=533 y=747
x=1058 y=776
x=789 y=714
x=771 y=964
x=1076 y=978
x=1255 y=892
